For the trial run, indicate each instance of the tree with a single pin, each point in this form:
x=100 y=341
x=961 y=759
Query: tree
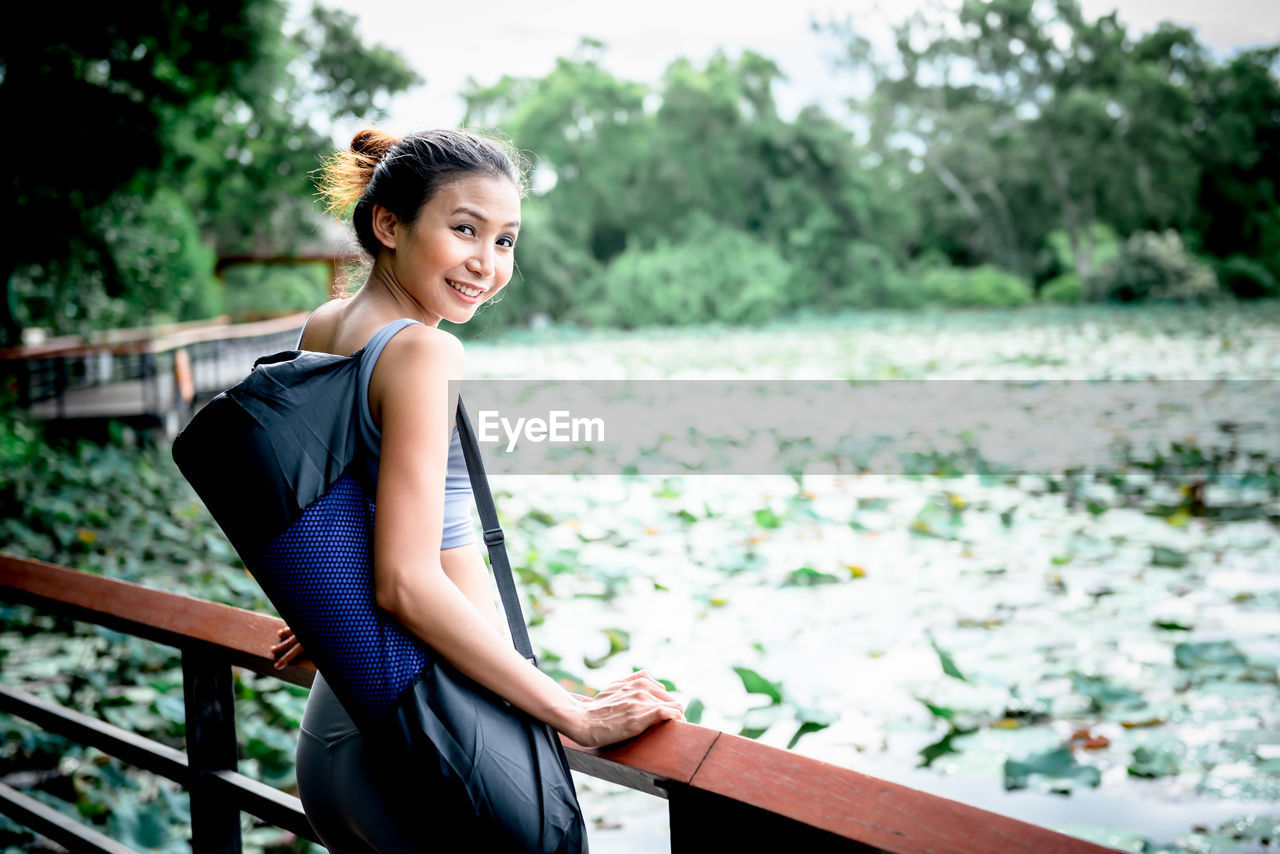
x=156 y=131
x=1022 y=118
x=623 y=169
x=1238 y=123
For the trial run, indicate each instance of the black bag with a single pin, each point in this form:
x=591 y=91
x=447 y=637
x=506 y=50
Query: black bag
x=279 y=445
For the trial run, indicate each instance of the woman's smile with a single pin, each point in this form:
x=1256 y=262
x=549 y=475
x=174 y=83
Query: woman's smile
x=467 y=294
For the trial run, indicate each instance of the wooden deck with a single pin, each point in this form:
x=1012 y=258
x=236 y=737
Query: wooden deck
x=724 y=792
x=154 y=374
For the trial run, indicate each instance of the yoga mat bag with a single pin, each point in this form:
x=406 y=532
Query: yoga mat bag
x=272 y=459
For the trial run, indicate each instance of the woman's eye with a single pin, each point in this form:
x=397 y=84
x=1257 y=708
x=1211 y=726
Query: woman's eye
x=507 y=242
x=464 y=229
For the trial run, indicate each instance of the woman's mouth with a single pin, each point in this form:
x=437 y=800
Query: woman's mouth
x=466 y=292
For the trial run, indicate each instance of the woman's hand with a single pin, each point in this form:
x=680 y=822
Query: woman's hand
x=287 y=650
x=624 y=709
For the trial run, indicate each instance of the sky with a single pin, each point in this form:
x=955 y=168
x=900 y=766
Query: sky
x=449 y=42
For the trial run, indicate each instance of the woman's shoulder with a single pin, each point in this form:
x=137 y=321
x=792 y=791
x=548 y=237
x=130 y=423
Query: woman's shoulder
x=319 y=332
x=416 y=363
x=419 y=347
x=340 y=326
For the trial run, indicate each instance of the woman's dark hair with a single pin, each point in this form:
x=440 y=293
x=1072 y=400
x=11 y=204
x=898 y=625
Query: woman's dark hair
x=404 y=174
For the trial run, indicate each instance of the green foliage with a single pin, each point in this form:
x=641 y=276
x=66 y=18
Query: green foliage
x=1153 y=762
x=985 y=287
x=152 y=266
x=1058 y=766
x=865 y=276
x=1103 y=694
x=121 y=509
x=713 y=275
x=780 y=706
x=180 y=133
x=1152 y=266
x=1103 y=244
x=948 y=666
x=1028 y=135
x=1209 y=655
x=1066 y=288
x=689 y=202
x=1246 y=278
x=350 y=78
x=1237 y=209
x=251 y=291
x=754 y=683
x=807 y=576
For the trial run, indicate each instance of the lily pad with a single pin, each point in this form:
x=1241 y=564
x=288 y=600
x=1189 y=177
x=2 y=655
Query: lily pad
x=1056 y=765
x=804 y=729
x=1209 y=655
x=1105 y=695
x=1165 y=556
x=947 y=662
x=940 y=748
x=807 y=576
x=1153 y=762
x=754 y=683
x=619 y=641
x=766 y=518
x=1171 y=625
x=693 y=711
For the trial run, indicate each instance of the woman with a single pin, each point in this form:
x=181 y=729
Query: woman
x=439 y=215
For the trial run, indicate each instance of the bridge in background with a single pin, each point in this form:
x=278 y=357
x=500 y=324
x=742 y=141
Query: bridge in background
x=152 y=376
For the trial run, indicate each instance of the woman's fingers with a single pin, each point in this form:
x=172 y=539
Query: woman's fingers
x=288 y=649
x=642 y=678
x=630 y=707
x=283 y=660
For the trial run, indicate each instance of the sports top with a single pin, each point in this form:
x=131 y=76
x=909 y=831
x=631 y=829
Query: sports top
x=458 y=529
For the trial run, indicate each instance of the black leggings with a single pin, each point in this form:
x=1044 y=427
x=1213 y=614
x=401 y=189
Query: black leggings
x=356 y=803
x=350 y=804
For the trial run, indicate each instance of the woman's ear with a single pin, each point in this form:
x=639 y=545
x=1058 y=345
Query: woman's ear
x=384 y=226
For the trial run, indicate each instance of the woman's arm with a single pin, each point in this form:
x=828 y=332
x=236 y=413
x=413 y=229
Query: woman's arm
x=409 y=395
x=466 y=569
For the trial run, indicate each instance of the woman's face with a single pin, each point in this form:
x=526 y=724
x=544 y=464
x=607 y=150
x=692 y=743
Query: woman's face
x=460 y=251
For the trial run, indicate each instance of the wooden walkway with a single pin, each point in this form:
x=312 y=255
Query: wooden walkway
x=154 y=375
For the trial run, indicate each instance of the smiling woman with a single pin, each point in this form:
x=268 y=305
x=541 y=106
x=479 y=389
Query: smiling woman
x=439 y=214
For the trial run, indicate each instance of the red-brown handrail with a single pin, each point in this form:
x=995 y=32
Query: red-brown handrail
x=155 y=340
x=719 y=785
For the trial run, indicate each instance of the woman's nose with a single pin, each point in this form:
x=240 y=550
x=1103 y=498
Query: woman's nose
x=481 y=262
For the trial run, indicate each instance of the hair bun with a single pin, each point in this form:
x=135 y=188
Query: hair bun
x=372 y=143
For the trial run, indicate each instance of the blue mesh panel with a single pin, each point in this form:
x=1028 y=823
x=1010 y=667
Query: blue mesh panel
x=319 y=576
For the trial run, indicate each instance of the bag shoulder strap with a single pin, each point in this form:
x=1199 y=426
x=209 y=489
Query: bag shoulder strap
x=493 y=537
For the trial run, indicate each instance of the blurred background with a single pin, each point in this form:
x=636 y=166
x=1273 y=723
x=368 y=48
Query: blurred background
x=801 y=161
x=1009 y=191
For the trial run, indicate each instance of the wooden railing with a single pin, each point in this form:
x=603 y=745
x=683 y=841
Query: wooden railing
x=724 y=792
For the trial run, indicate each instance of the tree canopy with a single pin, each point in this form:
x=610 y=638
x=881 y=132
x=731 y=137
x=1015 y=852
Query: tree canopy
x=155 y=139
x=1016 y=147
x=1026 y=119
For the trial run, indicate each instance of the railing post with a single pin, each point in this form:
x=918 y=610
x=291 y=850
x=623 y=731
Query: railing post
x=60 y=385
x=150 y=394
x=211 y=746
